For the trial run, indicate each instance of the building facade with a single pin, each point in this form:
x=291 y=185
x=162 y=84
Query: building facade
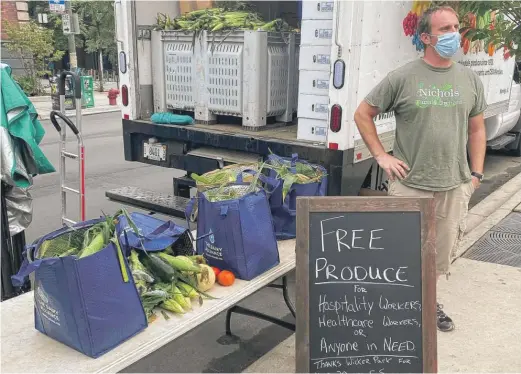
x=12 y=12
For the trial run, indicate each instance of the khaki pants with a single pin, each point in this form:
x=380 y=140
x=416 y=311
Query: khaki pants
x=451 y=215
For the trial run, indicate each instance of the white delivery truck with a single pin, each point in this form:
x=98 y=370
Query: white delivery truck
x=256 y=92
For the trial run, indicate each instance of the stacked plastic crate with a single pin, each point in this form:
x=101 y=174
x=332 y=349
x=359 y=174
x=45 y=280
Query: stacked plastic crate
x=248 y=74
x=314 y=65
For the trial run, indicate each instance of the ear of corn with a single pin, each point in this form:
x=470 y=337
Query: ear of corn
x=96 y=245
x=69 y=252
x=188 y=290
x=139 y=272
x=172 y=306
x=180 y=299
x=180 y=263
x=219 y=19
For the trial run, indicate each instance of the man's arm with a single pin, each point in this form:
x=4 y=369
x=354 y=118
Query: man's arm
x=477 y=144
x=364 y=119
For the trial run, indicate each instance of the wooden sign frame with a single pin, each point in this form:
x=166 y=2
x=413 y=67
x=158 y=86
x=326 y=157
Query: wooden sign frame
x=340 y=204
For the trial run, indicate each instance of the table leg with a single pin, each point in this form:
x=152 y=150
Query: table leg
x=285 y=293
x=252 y=313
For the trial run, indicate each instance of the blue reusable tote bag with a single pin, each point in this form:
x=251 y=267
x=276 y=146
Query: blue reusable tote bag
x=154 y=235
x=87 y=304
x=237 y=234
x=284 y=210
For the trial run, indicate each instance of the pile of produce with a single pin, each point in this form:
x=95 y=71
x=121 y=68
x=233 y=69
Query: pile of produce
x=216 y=184
x=170 y=282
x=304 y=173
x=223 y=176
x=86 y=241
x=224 y=193
x=81 y=242
x=162 y=279
x=219 y=19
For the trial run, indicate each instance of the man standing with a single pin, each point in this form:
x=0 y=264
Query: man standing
x=438 y=105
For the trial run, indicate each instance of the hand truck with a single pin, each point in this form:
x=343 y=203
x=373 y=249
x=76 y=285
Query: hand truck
x=76 y=129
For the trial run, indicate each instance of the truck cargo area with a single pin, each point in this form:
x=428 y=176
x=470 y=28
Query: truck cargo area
x=177 y=142
x=282 y=132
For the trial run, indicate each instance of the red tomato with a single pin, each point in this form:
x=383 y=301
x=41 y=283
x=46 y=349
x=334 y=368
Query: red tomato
x=216 y=271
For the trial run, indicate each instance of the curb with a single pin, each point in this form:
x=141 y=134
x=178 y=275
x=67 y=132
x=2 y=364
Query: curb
x=72 y=113
x=112 y=110
x=40 y=99
x=489 y=212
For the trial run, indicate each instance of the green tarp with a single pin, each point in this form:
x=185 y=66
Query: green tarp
x=22 y=157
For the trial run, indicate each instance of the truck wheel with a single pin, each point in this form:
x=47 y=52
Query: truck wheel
x=516 y=147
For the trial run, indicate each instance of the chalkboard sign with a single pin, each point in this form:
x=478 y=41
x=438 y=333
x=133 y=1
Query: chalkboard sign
x=366 y=285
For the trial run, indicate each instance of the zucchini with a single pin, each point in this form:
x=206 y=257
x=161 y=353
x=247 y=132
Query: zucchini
x=159 y=268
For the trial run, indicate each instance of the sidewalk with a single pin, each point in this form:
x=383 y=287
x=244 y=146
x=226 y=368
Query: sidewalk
x=482 y=297
x=43 y=106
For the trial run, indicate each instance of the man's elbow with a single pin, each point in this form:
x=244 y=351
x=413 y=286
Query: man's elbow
x=358 y=116
x=360 y=113
x=364 y=113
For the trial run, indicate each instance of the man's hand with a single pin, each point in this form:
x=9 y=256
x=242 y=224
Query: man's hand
x=392 y=166
x=364 y=119
x=475 y=182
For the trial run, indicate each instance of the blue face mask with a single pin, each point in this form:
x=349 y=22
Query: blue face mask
x=448 y=44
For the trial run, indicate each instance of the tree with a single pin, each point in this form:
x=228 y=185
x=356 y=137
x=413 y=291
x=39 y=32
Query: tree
x=98 y=28
x=35 y=47
x=54 y=23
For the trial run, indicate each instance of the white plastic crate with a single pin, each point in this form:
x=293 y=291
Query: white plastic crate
x=317 y=9
x=315 y=32
x=179 y=69
x=296 y=72
x=312 y=129
x=248 y=74
x=314 y=82
x=313 y=106
x=315 y=58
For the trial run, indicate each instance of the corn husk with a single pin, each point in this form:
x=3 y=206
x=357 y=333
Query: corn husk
x=226 y=175
x=304 y=173
x=229 y=192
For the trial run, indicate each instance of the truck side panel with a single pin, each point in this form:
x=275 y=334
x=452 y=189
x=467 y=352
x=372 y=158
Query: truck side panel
x=134 y=20
x=368 y=40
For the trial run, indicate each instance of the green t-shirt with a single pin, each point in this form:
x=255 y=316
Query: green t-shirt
x=432 y=107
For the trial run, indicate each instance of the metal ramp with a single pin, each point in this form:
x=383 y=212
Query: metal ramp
x=501 y=245
x=158 y=202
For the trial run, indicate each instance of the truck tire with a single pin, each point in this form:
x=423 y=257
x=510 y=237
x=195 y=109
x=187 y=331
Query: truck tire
x=515 y=149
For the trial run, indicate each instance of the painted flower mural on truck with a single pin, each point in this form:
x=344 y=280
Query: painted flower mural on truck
x=473 y=38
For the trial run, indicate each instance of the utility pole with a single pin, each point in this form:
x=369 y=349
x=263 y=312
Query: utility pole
x=71 y=38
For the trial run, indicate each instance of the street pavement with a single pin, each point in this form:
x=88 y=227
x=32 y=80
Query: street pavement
x=203 y=349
